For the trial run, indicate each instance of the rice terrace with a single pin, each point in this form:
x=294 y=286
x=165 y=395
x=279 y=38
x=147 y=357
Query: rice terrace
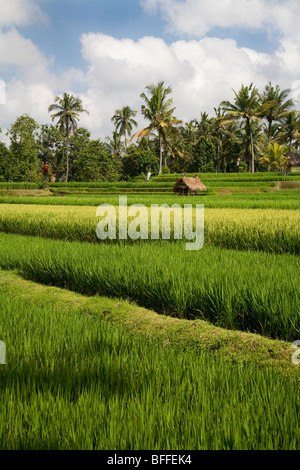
x=150 y=279
x=103 y=337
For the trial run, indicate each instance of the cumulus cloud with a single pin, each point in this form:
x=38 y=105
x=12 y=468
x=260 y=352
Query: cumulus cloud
x=197 y=17
x=18 y=51
x=32 y=83
x=20 y=12
x=201 y=72
x=33 y=86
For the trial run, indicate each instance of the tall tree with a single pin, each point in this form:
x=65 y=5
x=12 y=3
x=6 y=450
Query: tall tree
x=289 y=132
x=159 y=111
x=51 y=147
x=91 y=160
x=67 y=110
x=219 y=131
x=123 y=121
x=24 y=148
x=7 y=171
x=204 y=126
x=247 y=108
x=275 y=106
x=204 y=156
x=114 y=145
x=274 y=157
x=138 y=161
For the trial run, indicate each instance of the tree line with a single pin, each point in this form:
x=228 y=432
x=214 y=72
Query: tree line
x=253 y=132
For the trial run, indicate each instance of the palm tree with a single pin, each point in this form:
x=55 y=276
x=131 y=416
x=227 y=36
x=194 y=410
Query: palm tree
x=115 y=146
x=246 y=107
x=123 y=120
x=275 y=106
x=67 y=111
x=159 y=112
x=219 y=131
x=290 y=129
x=189 y=132
x=275 y=156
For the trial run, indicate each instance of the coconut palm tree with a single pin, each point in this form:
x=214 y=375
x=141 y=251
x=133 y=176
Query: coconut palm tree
x=123 y=120
x=246 y=107
x=159 y=111
x=219 y=131
x=289 y=130
x=275 y=106
x=275 y=156
x=114 y=145
x=67 y=110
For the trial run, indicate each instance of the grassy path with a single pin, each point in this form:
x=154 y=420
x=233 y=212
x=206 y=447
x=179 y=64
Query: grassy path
x=197 y=335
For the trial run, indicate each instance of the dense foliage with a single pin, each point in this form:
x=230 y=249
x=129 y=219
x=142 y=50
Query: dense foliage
x=74 y=381
x=254 y=132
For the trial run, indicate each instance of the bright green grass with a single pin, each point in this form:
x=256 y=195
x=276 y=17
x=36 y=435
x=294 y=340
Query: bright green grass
x=73 y=382
x=249 y=291
x=222 y=177
x=266 y=230
x=20 y=185
x=158 y=185
x=198 y=335
x=278 y=200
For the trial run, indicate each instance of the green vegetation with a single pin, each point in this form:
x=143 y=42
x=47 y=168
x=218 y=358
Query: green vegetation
x=67 y=110
x=283 y=200
x=12 y=186
x=213 y=284
x=273 y=231
x=74 y=381
x=20 y=164
x=253 y=133
x=142 y=344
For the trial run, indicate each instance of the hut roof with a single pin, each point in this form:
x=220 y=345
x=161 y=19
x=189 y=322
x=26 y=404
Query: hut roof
x=294 y=159
x=194 y=184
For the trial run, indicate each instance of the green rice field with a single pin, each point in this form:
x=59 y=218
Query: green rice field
x=74 y=381
x=143 y=345
x=284 y=200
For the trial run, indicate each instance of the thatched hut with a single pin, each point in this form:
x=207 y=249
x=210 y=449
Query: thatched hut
x=186 y=186
x=294 y=162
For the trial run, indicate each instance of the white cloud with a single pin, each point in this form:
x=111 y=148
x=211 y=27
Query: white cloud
x=18 y=51
x=29 y=88
x=20 y=12
x=32 y=87
x=197 y=17
x=202 y=73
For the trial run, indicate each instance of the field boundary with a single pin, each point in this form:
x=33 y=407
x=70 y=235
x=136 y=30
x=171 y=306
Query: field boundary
x=198 y=335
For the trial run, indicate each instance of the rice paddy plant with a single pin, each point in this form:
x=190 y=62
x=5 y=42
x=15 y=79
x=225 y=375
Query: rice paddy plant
x=249 y=291
x=258 y=176
x=20 y=185
x=267 y=230
x=72 y=381
x=280 y=200
x=114 y=185
x=158 y=185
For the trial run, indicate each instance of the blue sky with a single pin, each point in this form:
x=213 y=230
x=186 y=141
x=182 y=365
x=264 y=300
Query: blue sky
x=107 y=51
x=69 y=19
